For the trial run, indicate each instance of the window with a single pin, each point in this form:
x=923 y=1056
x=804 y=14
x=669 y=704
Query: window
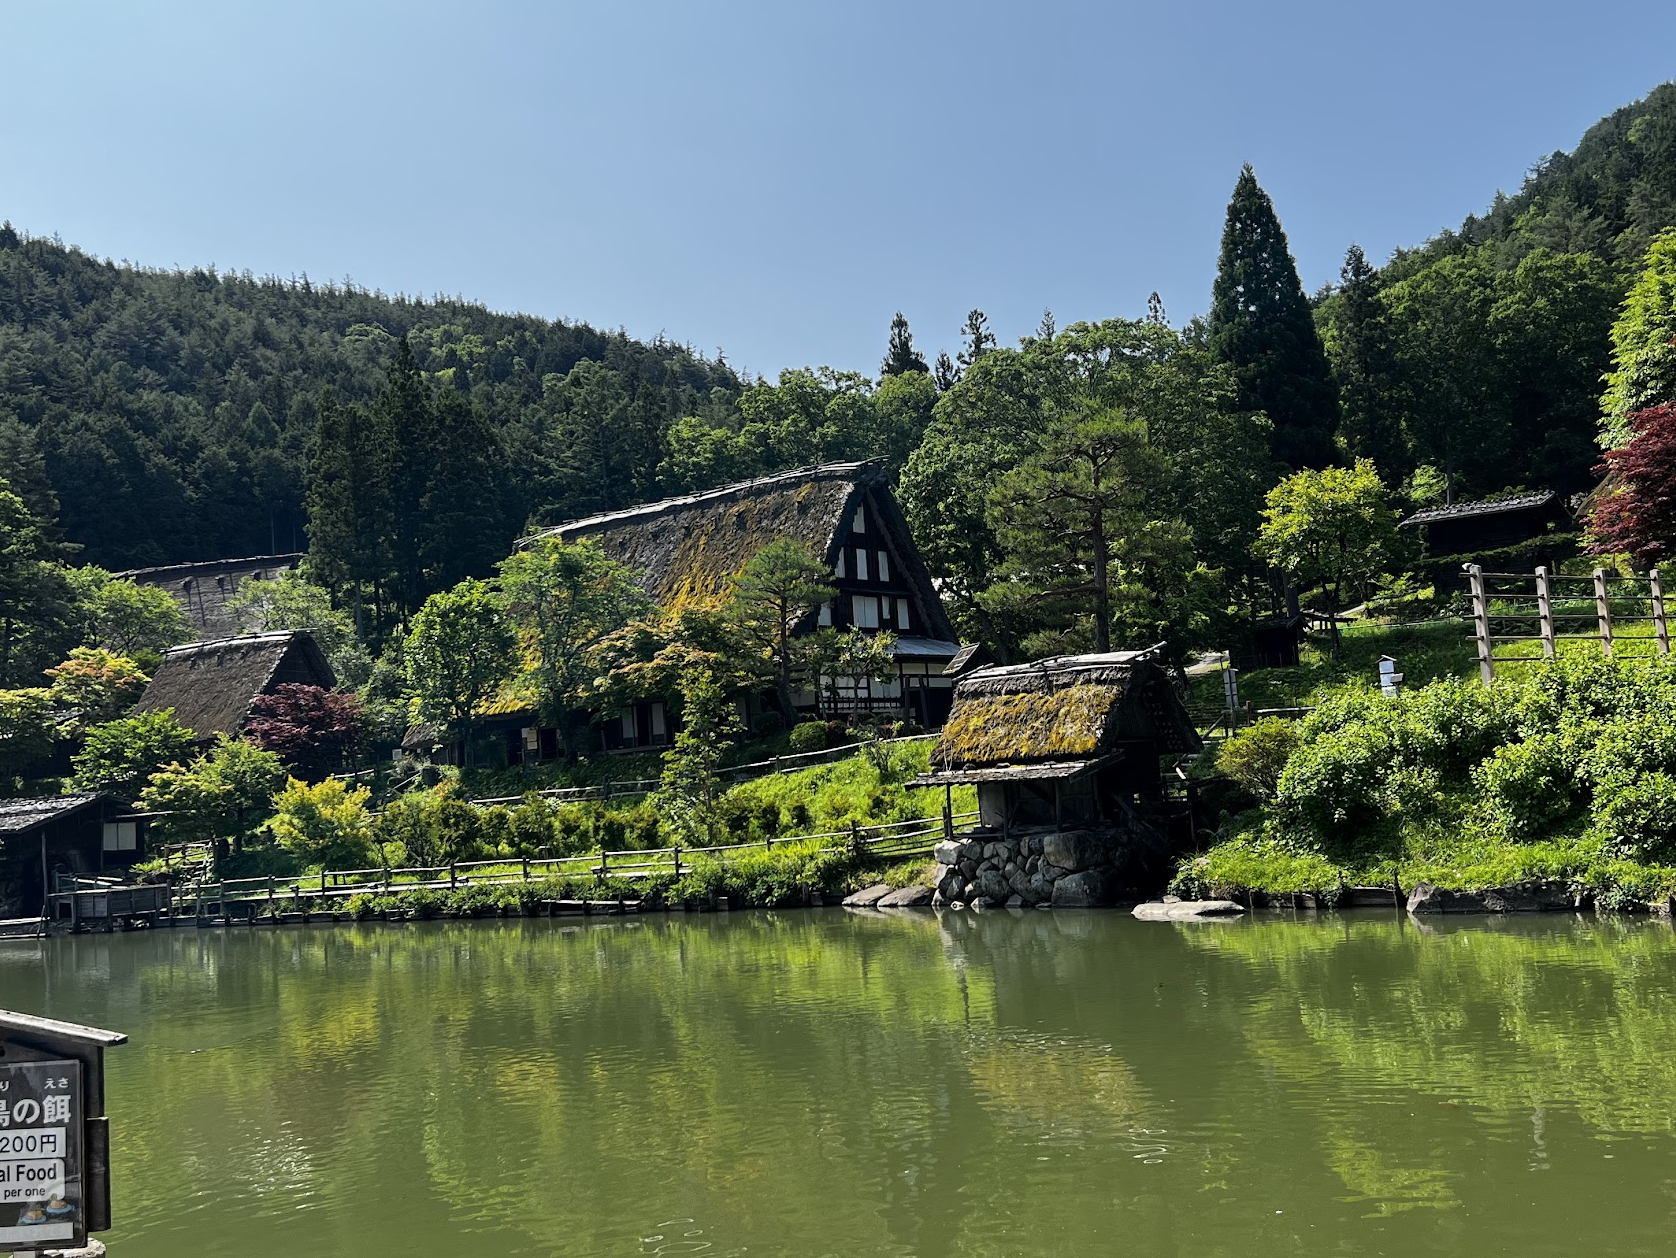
x=866 y=609
x=659 y=729
x=884 y=566
x=902 y=615
x=825 y=617
x=627 y=725
x=838 y=568
x=861 y=519
x=121 y=836
x=861 y=565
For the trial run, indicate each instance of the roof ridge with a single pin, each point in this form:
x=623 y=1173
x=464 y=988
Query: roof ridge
x=698 y=497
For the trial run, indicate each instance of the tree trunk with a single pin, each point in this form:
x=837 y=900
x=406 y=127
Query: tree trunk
x=1102 y=594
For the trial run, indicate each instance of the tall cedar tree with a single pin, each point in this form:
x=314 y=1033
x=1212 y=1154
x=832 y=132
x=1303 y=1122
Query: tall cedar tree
x=900 y=354
x=1261 y=326
x=347 y=504
x=1365 y=369
x=1638 y=518
x=979 y=339
x=409 y=445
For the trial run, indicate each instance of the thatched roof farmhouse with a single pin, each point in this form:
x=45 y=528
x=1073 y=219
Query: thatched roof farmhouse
x=204 y=589
x=689 y=548
x=212 y=685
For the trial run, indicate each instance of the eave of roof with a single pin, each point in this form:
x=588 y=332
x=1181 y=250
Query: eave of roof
x=19 y=815
x=1048 y=771
x=1489 y=506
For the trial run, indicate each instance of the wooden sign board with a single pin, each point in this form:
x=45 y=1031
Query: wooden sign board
x=55 y=1185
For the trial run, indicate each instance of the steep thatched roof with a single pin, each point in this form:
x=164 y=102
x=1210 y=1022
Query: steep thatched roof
x=204 y=589
x=687 y=549
x=1060 y=710
x=211 y=685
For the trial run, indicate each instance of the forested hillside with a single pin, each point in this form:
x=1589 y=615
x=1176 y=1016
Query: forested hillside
x=1481 y=353
x=174 y=410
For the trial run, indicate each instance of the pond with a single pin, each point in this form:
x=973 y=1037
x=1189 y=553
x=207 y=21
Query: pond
x=826 y=1082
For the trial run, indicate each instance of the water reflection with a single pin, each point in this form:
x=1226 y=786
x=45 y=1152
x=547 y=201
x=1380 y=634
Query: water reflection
x=812 y=1083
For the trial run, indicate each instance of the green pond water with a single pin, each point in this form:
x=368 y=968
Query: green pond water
x=815 y=1083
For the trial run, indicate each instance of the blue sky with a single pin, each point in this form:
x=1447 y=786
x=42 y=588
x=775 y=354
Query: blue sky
x=775 y=179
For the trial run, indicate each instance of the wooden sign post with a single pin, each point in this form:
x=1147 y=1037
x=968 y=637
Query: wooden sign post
x=55 y=1179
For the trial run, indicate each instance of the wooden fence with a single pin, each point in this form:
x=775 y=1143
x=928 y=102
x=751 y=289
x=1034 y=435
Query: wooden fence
x=896 y=840
x=1539 y=607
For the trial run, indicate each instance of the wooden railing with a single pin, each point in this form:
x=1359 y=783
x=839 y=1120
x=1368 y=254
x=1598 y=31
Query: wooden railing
x=1539 y=607
x=893 y=840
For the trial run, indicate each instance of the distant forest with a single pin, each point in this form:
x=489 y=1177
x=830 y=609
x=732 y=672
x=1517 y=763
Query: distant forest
x=169 y=416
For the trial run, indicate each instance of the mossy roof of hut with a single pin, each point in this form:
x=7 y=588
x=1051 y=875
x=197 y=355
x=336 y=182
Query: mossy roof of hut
x=1065 y=708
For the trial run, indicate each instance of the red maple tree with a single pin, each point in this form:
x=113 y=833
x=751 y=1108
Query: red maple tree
x=312 y=729
x=1638 y=517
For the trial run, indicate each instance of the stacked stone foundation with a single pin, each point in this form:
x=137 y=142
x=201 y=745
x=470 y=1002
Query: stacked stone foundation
x=1032 y=869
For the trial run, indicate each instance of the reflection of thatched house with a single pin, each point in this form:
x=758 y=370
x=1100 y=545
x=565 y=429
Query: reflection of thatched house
x=1065 y=741
x=688 y=549
x=204 y=589
x=212 y=685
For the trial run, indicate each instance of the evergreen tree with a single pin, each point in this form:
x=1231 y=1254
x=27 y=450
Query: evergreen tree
x=465 y=527
x=900 y=354
x=346 y=504
x=945 y=373
x=1261 y=325
x=979 y=339
x=409 y=448
x=1365 y=370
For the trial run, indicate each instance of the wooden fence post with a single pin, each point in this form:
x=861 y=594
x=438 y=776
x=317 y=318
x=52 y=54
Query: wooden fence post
x=1481 y=622
x=1661 y=627
x=1545 y=613
x=526 y=869
x=676 y=853
x=453 y=876
x=1603 y=613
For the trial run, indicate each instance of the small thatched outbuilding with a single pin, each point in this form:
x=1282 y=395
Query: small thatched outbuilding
x=89 y=833
x=211 y=685
x=1064 y=741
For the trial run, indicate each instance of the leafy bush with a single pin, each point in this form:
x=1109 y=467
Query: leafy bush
x=808 y=736
x=324 y=824
x=1530 y=786
x=1638 y=820
x=1256 y=755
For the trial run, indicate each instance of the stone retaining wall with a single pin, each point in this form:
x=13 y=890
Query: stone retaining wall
x=1062 y=868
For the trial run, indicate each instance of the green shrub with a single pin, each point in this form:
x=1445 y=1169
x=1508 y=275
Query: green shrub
x=324 y=824
x=1256 y=755
x=1530 y=786
x=808 y=736
x=1333 y=788
x=1638 y=820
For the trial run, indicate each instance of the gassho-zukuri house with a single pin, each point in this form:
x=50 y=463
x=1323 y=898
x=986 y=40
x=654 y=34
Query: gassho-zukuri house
x=689 y=548
x=212 y=686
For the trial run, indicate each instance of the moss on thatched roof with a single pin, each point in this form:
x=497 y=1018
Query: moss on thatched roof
x=1060 y=709
x=1044 y=725
x=211 y=685
x=688 y=549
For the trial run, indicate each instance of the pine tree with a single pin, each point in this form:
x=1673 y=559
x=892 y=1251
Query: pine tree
x=347 y=497
x=465 y=525
x=979 y=339
x=946 y=374
x=901 y=356
x=1365 y=370
x=1261 y=326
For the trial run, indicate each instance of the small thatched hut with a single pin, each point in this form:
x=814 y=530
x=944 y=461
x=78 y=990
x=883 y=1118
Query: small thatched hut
x=1066 y=741
x=212 y=685
x=90 y=833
